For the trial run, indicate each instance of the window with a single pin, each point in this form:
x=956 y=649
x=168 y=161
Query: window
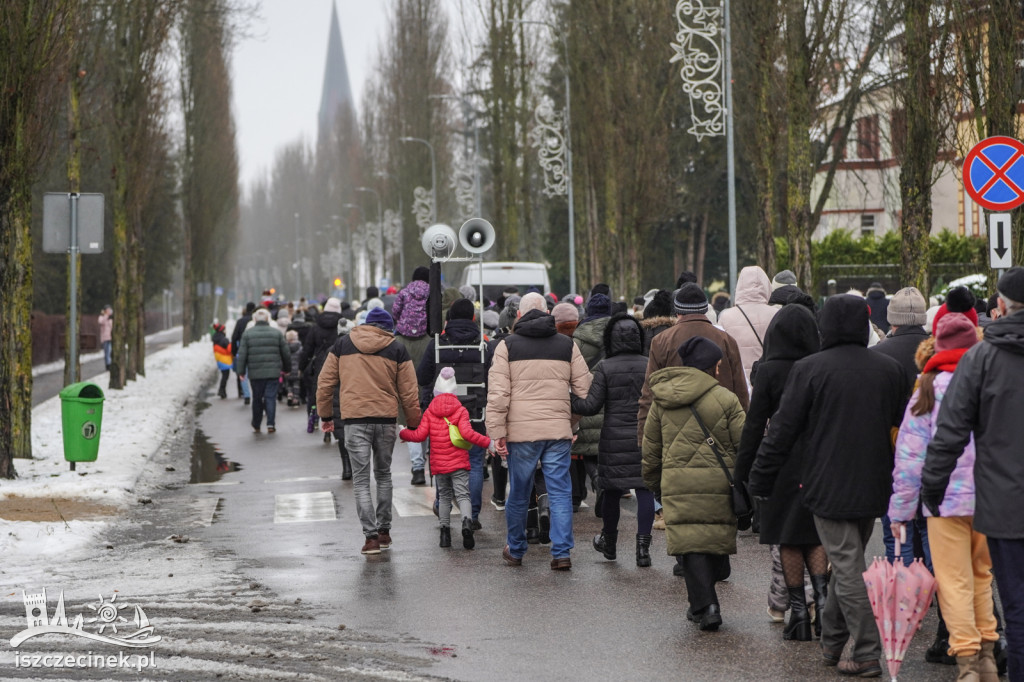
x=867 y=137
x=867 y=225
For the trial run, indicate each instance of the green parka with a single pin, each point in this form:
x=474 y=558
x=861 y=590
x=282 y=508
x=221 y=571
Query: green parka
x=678 y=462
x=263 y=352
x=589 y=337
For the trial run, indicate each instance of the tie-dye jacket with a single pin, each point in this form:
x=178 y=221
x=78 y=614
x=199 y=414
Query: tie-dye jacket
x=410 y=309
x=911 y=447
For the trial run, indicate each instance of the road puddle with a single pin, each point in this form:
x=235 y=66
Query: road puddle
x=208 y=463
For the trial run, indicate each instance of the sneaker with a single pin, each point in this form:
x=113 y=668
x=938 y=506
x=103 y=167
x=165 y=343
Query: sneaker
x=256 y=429
x=467 y=534
x=271 y=429
x=372 y=545
x=659 y=521
x=776 y=616
x=509 y=559
x=860 y=668
x=418 y=477
x=498 y=504
x=384 y=538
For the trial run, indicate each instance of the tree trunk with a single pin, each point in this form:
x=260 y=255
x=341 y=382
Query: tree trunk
x=16 y=341
x=799 y=167
x=920 y=149
x=122 y=300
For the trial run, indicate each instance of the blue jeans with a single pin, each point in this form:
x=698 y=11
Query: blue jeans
x=264 y=396
x=107 y=349
x=476 y=478
x=522 y=464
x=416 y=456
x=915 y=546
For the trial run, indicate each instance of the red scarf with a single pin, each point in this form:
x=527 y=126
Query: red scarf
x=944 y=361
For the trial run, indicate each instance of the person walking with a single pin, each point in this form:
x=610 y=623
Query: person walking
x=106 y=320
x=618 y=380
x=984 y=398
x=589 y=337
x=843 y=402
x=241 y=324
x=263 y=355
x=471 y=370
x=906 y=315
x=410 y=314
x=449 y=464
x=319 y=341
x=959 y=557
x=530 y=419
x=691 y=307
x=879 y=305
x=222 y=355
x=379 y=378
x=784 y=520
x=748 y=318
x=690 y=435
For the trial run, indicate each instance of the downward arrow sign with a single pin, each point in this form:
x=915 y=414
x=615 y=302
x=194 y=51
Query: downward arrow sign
x=1001 y=247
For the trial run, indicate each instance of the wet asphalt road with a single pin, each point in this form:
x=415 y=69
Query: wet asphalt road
x=603 y=620
x=45 y=386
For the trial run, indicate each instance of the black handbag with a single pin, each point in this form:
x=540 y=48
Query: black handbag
x=740 y=498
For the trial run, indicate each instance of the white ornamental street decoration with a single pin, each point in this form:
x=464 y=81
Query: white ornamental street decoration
x=464 y=184
x=422 y=207
x=392 y=231
x=549 y=138
x=697 y=47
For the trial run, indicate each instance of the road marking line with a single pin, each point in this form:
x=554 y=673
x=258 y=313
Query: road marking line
x=204 y=508
x=333 y=477
x=217 y=483
x=416 y=502
x=300 y=507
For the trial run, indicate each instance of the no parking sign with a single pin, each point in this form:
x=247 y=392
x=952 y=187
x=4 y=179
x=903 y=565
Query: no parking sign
x=994 y=178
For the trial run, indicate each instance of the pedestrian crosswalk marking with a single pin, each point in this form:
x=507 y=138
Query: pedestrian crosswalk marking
x=332 y=477
x=301 y=507
x=416 y=502
x=204 y=508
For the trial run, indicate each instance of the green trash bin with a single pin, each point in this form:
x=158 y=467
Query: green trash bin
x=81 y=411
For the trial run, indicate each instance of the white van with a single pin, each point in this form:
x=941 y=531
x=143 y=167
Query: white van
x=499 y=275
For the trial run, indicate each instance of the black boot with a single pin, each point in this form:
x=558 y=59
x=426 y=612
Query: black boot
x=799 y=626
x=938 y=652
x=446 y=536
x=605 y=543
x=643 y=551
x=468 y=542
x=346 y=463
x=820 y=585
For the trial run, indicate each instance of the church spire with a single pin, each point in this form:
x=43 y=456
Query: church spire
x=336 y=91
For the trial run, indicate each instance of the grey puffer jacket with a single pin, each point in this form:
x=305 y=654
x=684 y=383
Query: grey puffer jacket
x=264 y=353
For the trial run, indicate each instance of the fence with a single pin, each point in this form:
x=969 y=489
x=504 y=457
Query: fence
x=48 y=332
x=861 y=277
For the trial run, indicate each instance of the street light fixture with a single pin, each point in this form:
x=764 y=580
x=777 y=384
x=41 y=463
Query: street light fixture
x=380 y=225
x=433 y=175
x=568 y=148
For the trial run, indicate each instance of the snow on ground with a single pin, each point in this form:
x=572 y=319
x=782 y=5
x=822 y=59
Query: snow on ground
x=135 y=422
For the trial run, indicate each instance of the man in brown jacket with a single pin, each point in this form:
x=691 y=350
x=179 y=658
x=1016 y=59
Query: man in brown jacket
x=691 y=307
x=529 y=416
x=378 y=376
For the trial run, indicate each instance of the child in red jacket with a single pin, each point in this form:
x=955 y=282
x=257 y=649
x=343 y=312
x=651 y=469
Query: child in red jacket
x=449 y=464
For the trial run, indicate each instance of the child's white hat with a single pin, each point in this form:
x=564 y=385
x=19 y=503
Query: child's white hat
x=446 y=382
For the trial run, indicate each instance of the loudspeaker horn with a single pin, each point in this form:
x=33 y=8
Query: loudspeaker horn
x=439 y=241
x=476 y=235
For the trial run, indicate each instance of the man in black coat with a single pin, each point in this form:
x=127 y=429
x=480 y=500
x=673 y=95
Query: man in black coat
x=907 y=315
x=845 y=400
x=985 y=398
x=236 y=340
x=471 y=374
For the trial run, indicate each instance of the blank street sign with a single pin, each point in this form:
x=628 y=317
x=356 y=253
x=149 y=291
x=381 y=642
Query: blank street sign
x=57 y=223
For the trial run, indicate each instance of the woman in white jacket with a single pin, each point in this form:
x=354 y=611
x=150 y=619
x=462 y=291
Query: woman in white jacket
x=748 y=318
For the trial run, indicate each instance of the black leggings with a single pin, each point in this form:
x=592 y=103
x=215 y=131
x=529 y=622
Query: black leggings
x=644 y=510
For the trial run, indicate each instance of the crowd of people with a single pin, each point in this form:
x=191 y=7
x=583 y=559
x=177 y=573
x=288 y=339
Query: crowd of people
x=869 y=407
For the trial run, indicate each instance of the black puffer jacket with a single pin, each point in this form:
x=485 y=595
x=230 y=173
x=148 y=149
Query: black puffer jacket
x=318 y=343
x=845 y=400
x=618 y=381
x=467 y=365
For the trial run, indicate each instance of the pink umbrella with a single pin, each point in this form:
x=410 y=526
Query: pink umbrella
x=900 y=596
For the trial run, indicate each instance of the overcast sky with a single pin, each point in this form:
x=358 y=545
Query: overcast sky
x=278 y=73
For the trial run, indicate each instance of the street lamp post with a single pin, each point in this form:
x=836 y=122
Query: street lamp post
x=298 y=262
x=433 y=175
x=568 y=150
x=351 y=258
x=380 y=225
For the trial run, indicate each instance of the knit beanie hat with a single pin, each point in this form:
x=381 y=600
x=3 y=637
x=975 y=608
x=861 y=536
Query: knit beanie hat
x=333 y=305
x=468 y=292
x=785 y=278
x=907 y=308
x=690 y=300
x=660 y=305
x=955 y=330
x=379 y=317
x=446 y=382
x=373 y=303
x=599 y=304
x=1011 y=284
x=958 y=300
x=462 y=309
x=421 y=274
x=565 y=312
x=700 y=353
x=490 y=319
